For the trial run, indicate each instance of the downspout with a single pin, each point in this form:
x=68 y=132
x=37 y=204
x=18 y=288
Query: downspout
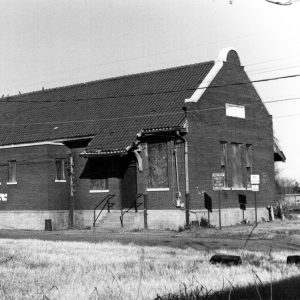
x=186 y=168
x=187 y=186
x=71 y=201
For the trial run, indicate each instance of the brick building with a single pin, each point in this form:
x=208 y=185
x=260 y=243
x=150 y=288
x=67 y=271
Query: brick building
x=142 y=146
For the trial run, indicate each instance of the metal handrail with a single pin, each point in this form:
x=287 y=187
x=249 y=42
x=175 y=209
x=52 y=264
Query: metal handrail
x=109 y=205
x=133 y=204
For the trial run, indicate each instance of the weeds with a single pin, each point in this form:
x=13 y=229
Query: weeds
x=78 y=270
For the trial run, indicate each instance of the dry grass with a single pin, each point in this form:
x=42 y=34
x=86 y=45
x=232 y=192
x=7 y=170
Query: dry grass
x=33 y=269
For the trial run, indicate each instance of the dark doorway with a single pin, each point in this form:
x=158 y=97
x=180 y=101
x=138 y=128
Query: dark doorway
x=129 y=183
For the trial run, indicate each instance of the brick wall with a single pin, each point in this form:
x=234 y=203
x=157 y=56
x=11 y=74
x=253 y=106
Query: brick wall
x=209 y=126
x=165 y=199
x=84 y=200
x=36 y=188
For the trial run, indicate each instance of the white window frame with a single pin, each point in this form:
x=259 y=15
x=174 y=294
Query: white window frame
x=62 y=161
x=99 y=190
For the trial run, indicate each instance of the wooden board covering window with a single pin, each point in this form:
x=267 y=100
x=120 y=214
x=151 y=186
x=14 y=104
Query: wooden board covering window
x=158 y=165
x=249 y=164
x=237 y=171
x=224 y=160
x=98 y=184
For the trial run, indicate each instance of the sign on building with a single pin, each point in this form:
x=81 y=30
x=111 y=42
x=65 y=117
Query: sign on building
x=3 y=197
x=218 y=181
x=236 y=111
x=255 y=179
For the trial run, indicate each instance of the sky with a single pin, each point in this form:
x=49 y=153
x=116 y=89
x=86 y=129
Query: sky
x=60 y=42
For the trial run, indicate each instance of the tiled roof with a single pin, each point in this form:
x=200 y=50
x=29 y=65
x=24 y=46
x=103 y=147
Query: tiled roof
x=113 y=110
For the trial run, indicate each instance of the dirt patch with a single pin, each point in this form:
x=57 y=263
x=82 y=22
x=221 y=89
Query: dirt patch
x=279 y=235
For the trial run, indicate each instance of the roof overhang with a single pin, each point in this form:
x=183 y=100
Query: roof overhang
x=170 y=130
x=167 y=132
x=278 y=153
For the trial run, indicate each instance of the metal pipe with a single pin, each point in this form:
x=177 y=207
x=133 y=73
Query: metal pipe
x=71 y=206
x=176 y=168
x=187 y=187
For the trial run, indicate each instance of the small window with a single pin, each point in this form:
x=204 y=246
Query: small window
x=60 y=169
x=158 y=166
x=99 y=185
x=12 y=172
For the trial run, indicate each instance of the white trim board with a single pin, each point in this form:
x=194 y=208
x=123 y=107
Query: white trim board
x=53 y=142
x=211 y=75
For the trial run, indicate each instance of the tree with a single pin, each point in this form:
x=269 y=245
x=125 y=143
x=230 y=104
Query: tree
x=285 y=185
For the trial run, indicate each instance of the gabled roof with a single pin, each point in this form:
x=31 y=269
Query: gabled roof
x=112 y=110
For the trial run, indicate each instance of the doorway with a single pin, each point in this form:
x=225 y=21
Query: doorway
x=129 y=183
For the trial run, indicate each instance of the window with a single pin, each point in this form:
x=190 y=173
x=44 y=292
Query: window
x=224 y=160
x=60 y=170
x=249 y=164
x=158 y=166
x=12 y=172
x=99 y=185
x=236 y=163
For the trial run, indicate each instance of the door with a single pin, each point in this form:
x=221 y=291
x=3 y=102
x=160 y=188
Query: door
x=129 y=183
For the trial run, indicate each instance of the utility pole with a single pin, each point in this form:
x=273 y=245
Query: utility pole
x=71 y=203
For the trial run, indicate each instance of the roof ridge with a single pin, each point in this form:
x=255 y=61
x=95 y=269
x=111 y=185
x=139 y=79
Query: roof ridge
x=108 y=79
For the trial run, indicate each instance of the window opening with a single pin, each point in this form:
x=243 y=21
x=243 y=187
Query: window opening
x=12 y=171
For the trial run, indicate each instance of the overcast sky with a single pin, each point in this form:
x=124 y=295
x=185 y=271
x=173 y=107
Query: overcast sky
x=54 y=43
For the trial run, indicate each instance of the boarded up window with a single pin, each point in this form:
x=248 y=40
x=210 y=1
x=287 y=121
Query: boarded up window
x=60 y=169
x=249 y=164
x=224 y=160
x=12 y=171
x=158 y=165
x=237 y=172
x=98 y=184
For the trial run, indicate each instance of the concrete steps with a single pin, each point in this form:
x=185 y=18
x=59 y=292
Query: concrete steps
x=112 y=221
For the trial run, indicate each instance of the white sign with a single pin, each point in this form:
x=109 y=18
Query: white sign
x=218 y=181
x=236 y=111
x=3 y=197
x=255 y=179
x=255 y=188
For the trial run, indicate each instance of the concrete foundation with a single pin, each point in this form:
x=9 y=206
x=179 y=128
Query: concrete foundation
x=157 y=219
x=34 y=219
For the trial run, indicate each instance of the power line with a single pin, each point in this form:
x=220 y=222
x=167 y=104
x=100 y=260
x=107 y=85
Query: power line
x=267 y=70
x=144 y=115
x=8 y=100
x=271 y=60
x=282 y=100
x=286 y=116
x=157 y=53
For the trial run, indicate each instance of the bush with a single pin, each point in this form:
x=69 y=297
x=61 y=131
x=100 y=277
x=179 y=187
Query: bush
x=204 y=223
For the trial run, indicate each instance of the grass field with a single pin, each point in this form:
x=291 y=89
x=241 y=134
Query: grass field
x=36 y=269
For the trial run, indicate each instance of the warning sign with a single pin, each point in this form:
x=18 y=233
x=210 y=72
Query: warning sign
x=218 y=181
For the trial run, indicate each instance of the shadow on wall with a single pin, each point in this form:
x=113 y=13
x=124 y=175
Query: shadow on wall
x=286 y=289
